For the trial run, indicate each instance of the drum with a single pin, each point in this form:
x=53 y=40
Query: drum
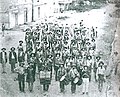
x=65 y=79
x=76 y=80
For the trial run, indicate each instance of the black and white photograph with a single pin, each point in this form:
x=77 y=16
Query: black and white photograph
x=59 y=48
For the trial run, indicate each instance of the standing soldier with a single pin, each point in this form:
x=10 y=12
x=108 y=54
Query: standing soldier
x=85 y=78
x=45 y=76
x=30 y=78
x=21 y=55
x=3 y=59
x=3 y=28
x=95 y=66
x=74 y=74
x=21 y=76
x=56 y=66
x=12 y=59
x=33 y=62
x=100 y=75
x=61 y=76
x=20 y=45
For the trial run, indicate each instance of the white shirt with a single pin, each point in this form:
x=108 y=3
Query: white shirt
x=3 y=55
x=101 y=70
x=13 y=56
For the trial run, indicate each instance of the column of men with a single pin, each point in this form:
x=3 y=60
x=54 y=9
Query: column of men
x=55 y=52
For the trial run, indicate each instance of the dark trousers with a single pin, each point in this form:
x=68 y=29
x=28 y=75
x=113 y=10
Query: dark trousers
x=21 y=85
x=12 y=65
x=45 y=87
x=30 y=86
x=56 y=70
x=73 y=87
x=62 y=86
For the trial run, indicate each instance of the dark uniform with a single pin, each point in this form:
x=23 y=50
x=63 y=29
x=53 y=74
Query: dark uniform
x=30 y=78
x=21 y=55
x=61 y=73
x=45 y=76
x=21 y=76
x=73 y=74
x=3 y=59
x=12 y=58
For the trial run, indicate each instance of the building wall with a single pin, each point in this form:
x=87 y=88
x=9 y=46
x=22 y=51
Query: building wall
x=47 y=8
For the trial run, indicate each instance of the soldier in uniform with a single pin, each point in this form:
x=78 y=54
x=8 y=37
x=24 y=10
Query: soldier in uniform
x=85 y=78
x=73 y=74
x=21 y=55
x=20 y=45
x=30 y=78
x=12 y=59
x=21 y=76
x=33 y=62
x=56 y=66
x=61 y=73
x=3 y=59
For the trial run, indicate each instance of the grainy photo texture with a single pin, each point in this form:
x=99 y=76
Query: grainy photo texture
x=59 y=48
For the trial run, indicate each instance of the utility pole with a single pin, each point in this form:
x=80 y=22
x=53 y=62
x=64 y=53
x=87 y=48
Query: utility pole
x=32 y=10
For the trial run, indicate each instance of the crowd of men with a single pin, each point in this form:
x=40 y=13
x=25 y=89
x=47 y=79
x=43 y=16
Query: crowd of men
x=53 y=51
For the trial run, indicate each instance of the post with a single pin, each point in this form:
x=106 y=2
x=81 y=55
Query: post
x=32 y=11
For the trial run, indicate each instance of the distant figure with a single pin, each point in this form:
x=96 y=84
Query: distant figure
x=3 y=59
x=3 y=28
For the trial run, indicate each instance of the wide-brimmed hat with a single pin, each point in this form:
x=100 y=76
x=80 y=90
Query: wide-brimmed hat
x=12 y=48
x=28 y=29
x=20 y=41
x=101 y=63
x=3 y=49
x=85 y=66
x=32 y=54
x=89 y=57
x=22 y=63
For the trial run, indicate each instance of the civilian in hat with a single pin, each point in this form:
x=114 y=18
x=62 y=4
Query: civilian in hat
x=12 y=59
x=3 y=59
x=21 y=76
x=85 y=78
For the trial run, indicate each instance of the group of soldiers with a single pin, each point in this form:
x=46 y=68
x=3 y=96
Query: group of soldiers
x=54 y=51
